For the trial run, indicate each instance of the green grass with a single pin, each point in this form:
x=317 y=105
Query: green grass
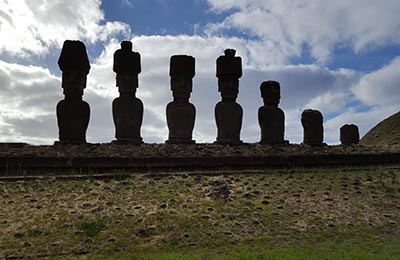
x=306 y=213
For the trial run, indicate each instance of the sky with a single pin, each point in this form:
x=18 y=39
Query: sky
x=341 y=57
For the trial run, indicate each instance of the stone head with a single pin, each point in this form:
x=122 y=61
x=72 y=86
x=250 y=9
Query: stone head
x=311 y=117
x=181 y=71
x=271 y=92
x=127 y=66
x=74 y=64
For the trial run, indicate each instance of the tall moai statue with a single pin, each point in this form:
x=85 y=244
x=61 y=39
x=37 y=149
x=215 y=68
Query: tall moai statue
x=73 y=113
x=228 y=113
x=180 y=112
x=270 y=117
x=127 y=108
x=312 y=121
x=349 y=135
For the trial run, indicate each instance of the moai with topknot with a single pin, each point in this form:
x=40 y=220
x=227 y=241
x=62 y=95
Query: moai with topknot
x=228 y=113
x=270 y=117
x=349 y=135
x=180 y=112
x=127 y=108
x=73 y=113
x=312 y=121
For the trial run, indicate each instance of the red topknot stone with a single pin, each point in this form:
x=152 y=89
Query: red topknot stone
x=126 y=60
x=182 y=65
x=73 y=57
x=229 y=65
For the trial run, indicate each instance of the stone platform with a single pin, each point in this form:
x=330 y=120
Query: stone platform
x=16 y=157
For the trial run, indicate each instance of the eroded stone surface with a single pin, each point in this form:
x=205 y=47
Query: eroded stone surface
x=349 y=135
x=312 y=121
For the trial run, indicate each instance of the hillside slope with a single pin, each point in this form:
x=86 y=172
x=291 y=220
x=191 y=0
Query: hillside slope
x=387 y=132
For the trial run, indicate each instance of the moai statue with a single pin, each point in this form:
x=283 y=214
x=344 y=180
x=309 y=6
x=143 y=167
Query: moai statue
x=312 y=122
x=270 y=117
x=180 y=113
x=228 y=113
x=127 y=108
x=349 y=135
x=73 y=113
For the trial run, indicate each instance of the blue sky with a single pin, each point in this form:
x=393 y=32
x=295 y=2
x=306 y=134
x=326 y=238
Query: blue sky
x=334 y=56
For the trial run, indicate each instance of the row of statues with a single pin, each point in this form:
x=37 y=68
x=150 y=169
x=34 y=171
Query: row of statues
x=73 y=113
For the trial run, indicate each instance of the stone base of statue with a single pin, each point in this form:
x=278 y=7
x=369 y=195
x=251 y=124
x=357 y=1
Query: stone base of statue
x=180 y=120
x=314 y=143
x=73 y=119
x=128 y=117
x=128 y=141
x=228 y=116
x=228 y=142
x=180 y=141
x=284 y=142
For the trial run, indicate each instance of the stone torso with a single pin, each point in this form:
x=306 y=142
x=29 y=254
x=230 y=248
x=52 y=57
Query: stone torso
x=228 y=116
x=73 y=120
x=180 y=120
x=272 y=123
x=128 y=117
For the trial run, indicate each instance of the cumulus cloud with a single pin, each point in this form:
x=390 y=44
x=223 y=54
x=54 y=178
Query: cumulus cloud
x=320 y=25
x=32 y=27
x=381 y=87
x=27 y=103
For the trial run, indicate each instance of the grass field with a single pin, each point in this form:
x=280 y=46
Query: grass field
x=315 y=213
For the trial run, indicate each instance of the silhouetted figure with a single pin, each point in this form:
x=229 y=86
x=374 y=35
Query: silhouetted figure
x=270 y=117
x=73 y=113
x=180 y=112
x=127 y=108
x=228 y=113
x=349 y=135
x=312 y=122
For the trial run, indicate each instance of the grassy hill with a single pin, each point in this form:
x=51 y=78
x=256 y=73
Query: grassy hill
x=386 y=132
x=286 y=214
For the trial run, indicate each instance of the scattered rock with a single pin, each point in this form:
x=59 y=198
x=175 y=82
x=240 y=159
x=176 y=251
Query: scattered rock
x=19 y=235
x=26 y=244
x=185 y=235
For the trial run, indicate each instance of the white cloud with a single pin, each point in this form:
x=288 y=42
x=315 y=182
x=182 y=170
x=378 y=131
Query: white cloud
x=381 y=87
x=31 y=27
x=28 y=98
x=321 y=25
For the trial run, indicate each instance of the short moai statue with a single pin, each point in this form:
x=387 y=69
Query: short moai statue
x=312 y=121
x=349 y=135
x=127 y=108
x=180 y=112
x=228 y=113
x=73 y=113
x=270 y=117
